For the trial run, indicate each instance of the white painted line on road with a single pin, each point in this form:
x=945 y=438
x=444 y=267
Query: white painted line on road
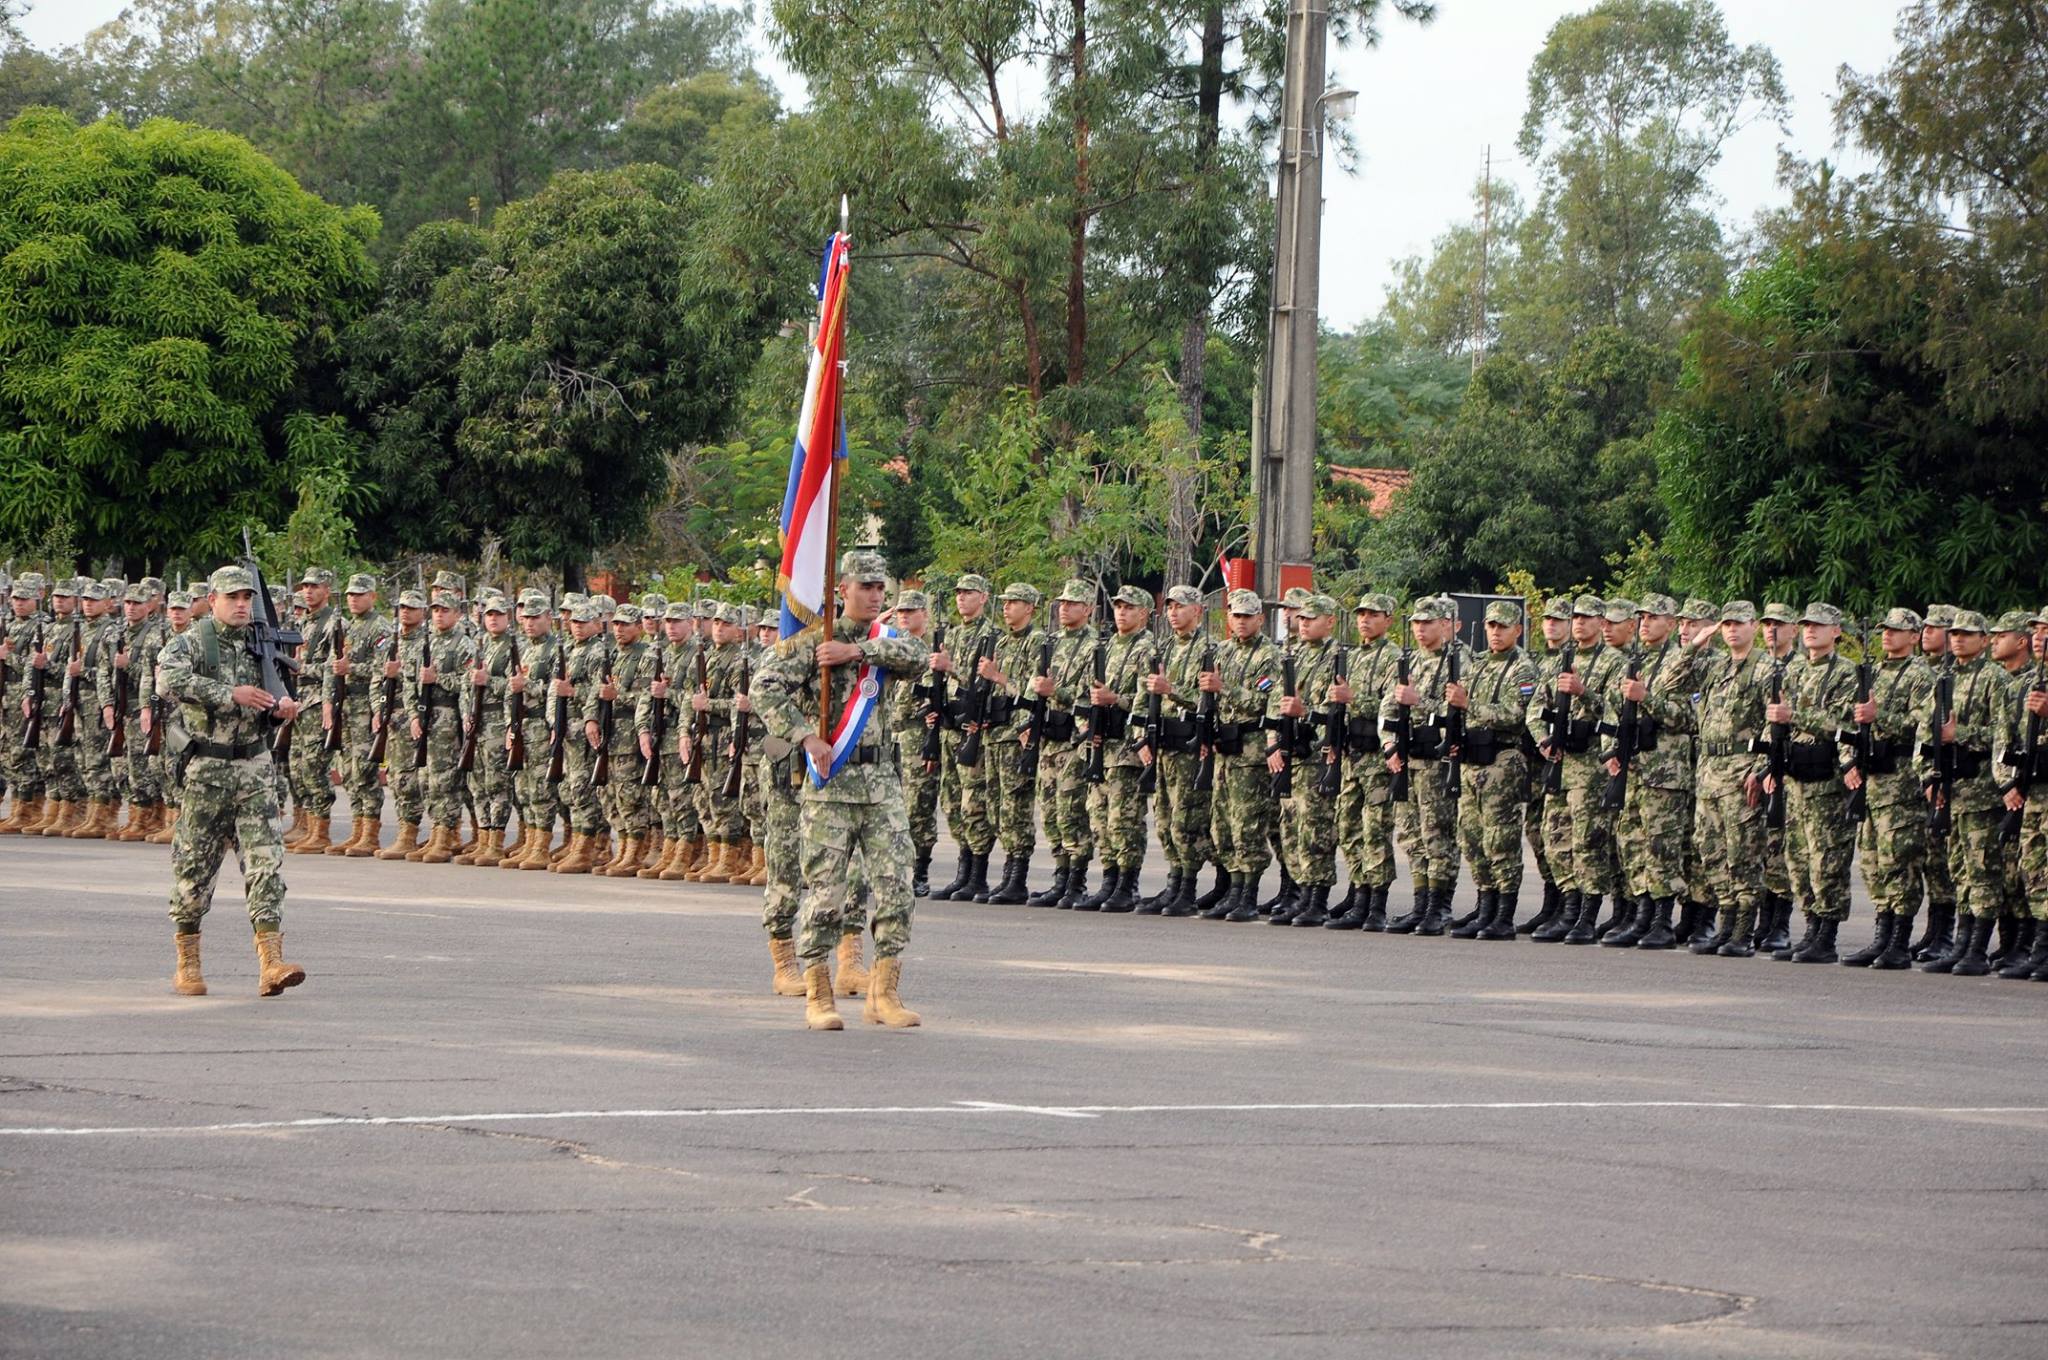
x=973 y=1107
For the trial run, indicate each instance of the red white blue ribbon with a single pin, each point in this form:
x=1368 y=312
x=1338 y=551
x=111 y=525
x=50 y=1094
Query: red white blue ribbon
x=853 y=718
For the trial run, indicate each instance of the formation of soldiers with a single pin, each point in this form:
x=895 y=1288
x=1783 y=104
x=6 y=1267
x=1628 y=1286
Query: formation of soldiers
x=1685 y=776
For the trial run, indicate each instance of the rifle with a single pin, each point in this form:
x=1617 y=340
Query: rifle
x=158 y=710
x=741 y=731
x=272 y=644
x=1205 y=727
x=978 y=690
x=388 y=708
x=67 y=712
x=601 y=768
x=337 y=645
x=1780 y=750
x=1098 y=718
x=2025 y=759
x=466 y=761
x=558 y=724
x=515 y=721
x=1283 y=782
x=1626 y=739
x=38 y=692
x=657 y=730
x=1454 y=728
x=419 y=746
x=117 y=744
x=1864 y=740
x=935 y=706
x=700 y=729
x=1155 y=731
x=1336 y=729
x=1034 y=727
x=1404 y=732
x=1559 y=715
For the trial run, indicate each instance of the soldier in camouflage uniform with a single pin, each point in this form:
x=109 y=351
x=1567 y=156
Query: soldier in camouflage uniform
x=435 y=702
x=1581 y=834
x=135 y=651
x=2010 y=652
x=1307 y=815
x=728 y=854
x=1773 y=925
x=1651 y=832
x=1015 y=794
x=1183 y=812
x=17 y=648
x=63 y=786
x=170 y=775
x=1541 y=835
x=98 y=630
x=625 y=800
x=967 y=792
x=1128 y=659
x=1939 y=936
x=860 y=806
x=311 y=761
x=1433 y=853
x=1892 y=838
x=1063 y=788
x=1698 y=623
x=1492 y=815
x=1728 y=825
x=912 y=715
x=1974 y=804
x=354 y=695
x=1241 y=810
x=1820 y=698
x=2027 y=715
x=405 y=779
x=681 y=830
x=588 y=659
x=1367 y=816
x=230 y=799
x=495 y=666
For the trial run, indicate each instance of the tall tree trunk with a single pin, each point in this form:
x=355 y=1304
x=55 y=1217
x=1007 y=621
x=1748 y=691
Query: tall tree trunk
x=1183 y=518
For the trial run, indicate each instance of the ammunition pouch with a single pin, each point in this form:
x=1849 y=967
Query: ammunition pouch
x=1230 y=738
x=1059 y=726
x=1116 y=724
x=1001 y=708
x=1482 y=747
x=1177 y=736
x=1809 y=763
x=1970 y=764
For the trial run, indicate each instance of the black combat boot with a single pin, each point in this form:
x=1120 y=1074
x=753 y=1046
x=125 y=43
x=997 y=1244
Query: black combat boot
x=1502 y=926
x=1439 y=914
x=1062 y=874
x=1560 y=925
x=1247 y=908
x=977 y=889
x=2031 y=962
x=1624 y=912
x=1222 y=907
x=2012 y=934
x=1710 y=941
x=1780 y=932
x=1015 y=889
x=1111 y=876
x=1553 y=899
x=1208 y=900
x=1941 y=933
x=1125 y=898
x=1406 y=923
x=1738 y=944
x=1630 y=932
x=1350 y=913
x=1293 y=900
x=1786 y=950
x=1376 y=909
x=1660 y=934
x=1077 y=885
x=1897 y=954
x=1958 y=945
x=1691 y=912
x=1821 y=948
x=1316 y=910
x=1156 y=903
x=1479 y=920
x=1972 y=961
x=1583 y=930
x=921 y=875
x=1184 y=905
x=1880 y=941
x=1284 y=896
x=961 y=877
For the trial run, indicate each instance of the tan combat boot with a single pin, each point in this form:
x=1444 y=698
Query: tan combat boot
x=166 y=828
x=466 y=854
x=355 y=837
x=852 y=969
x=439 y=849
x=518 y=850
x=297 y=829
x=884 y=1006
x=537 y=855
x=407 y=842
x=419 y=851
x=714 y=851
x=759 y=878
x=789 y=979
x=688 y=856
x=490 y=850
x=660 y=861
x=319 y=837
x=93 y=825
x=373 y=834
x=55 y=812
x=578 y=860
x=512 y=851
x=140 y=821
x=819 y=1012
x=468 y=847
x=187 y=981
x=631 y=858
x=23 y=815
x=277 y=974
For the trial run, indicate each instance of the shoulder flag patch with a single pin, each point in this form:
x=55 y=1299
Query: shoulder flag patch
x=1264 y=684
x=1528 y=687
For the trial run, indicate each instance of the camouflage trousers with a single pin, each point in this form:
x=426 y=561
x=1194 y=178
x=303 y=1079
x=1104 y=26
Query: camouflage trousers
x=95 y=766
x=1820 y=841
x=23 y=772
x=1183 y=813
x=407 y=781
x=2034 y=855
x=358 y=772
x=171 y=773
x=1063 y=801
x=137 y=772
x=1729 y=832
x=489 y=783
x=673 y=802
x=720 y=816
x=1581 y=835
x=1777 y=869
x=1650 y=840
x=1123 y=816
x=579 y=796
x=61 y=779
x=1532 y=826
x=1241 y=816
x=829 y=834
x=783 y=849
x=1367 y=820
x=920 y=791
x=1893 y=845
x=1491 y=819
x=1308 y=829
x=536 y=799
x=443 y=779
x=626 y=807
x=1432 y=842
x=1013 y=806
x=312 y=791
x=967 y=794
x=753 y=809
x=1941 y=884
x=229 y=805
x=1976 y=863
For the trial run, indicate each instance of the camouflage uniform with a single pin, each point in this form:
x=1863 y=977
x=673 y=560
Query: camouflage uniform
x=723 y=662
x=675 y=803
x=625 y=801
x=95 y=766
x=1777 y=865
x=1496 y=775
x=1581 y=834
x=136 y=772
x=61 y=637
x=1307 y=816
x=366 y=643
x=1893 y=837
x=24 y=769
x=1650 y=834
x=1728 y=826
x=967 y=792
x=588 y=660
x=1433 y=853
x=1063 y=786
x=1820 y=840
x=1128 y=660
x=490 y=780
x=1976 y=858
x=1367 y=816
x=2032 y=849
x=312 y=789
x=908 y=706
x=439 y=708
x=1015 y=793
x=407 y=780
x=1941 y=885
x=1242 y=810
x=1183 y=811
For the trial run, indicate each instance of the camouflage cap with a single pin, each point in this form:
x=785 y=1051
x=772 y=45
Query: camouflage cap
x=863 y=567
x=411 y=599
x=115 y=585
x=2042 y=617
x=1559 y=607
x=317 y=576
x=912 y=599
x=1821 y=612
x=605 y=604
x=678 y=610
x=68 y=587
x=447 y=599
x=1696 y=609
x=1902 y=618
x=1661 y=606
x=973 y=580
x=448 y=580
x=1317 y=607
x=653 y=602
x=628 y=613
x=1619 y=611
x=226 y=580
x=1375 y=602
x=96 y=590
x=178 y=599
x=1738 y=611
x=1589 y=606
x=22 y=590
x=137 y=594
x=533 y=606
x=1939 y=616
x=1968 y=621
x=1775 y=612
x=1295 y=598
x=1183 y=595
x=498 y=604
x=1135 y=596
x=33 y=578
x=1503 y=611
x=1428 y=609
x=362 y=583
x=704 y=609
x=1022 y=592
x=1245 y=602
x=155 y=583
x=570 y=599
x=586 y=612
x=1077 y=591
x=2013 y=621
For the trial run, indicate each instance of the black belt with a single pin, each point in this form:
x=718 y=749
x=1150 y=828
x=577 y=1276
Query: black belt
x=873 y=755
x=1740 y=747
x=214 y=750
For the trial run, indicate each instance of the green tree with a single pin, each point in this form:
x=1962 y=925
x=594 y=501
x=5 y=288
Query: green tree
x=687 y=125
x=170 y=300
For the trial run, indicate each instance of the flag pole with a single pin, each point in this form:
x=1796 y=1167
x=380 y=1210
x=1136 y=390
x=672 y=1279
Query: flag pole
x=831 y=600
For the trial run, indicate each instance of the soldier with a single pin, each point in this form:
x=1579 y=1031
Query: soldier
x=911 y=705
x=311 y=761
x=435 y=702
x=2010 y=638
x=353 y=697
x=1543 y=838
x=135 y=651
x=728 y=855
x=967 y=791
x=1307 y=814
x=63 y=785
x=178 y=617
x=1819 y=703
x=587 y=662
x=1493 y=813
x=404 y=777
x=1367 y=816
x=682 y=832
x=495 y=666
x=1580 y=836
x=626 y=809
x=1939 y=936
x=1241 y=809
x=1433 y=852
x=17 y=649
x=1774 y=920
x=1698 y=624
x=1651 y=832
x=540 y=648
x=854 y=798
x=1183 y=811
x=230 y=797
x=1063 y=788
x=1973 y=802
x=1893 y=834
x=2028 y=718
x=1127 y=661
x=1014 y=791
x=1728 y=822
x=90 y=744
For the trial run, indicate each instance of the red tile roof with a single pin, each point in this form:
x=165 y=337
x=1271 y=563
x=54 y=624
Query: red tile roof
x=1380 y=483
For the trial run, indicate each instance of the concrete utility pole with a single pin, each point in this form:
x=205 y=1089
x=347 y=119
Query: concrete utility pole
x=1284 y=435
x=1485 y=247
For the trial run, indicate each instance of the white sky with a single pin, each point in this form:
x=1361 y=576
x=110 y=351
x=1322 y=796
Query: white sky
x=1432 y=99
